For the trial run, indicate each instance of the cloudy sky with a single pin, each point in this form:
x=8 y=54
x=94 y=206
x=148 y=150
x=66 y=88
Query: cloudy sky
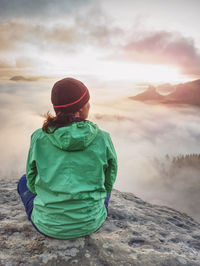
x=130 y=40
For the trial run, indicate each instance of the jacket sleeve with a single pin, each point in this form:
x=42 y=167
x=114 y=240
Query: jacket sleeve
x=111 y=170
x=31 y=170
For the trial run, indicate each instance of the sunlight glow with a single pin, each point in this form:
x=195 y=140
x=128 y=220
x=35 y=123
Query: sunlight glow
x=88 y=64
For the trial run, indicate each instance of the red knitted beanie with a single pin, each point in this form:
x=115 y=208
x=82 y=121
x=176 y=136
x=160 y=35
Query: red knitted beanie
x=69 y=95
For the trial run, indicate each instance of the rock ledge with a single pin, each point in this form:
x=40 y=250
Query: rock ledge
x=135 y=233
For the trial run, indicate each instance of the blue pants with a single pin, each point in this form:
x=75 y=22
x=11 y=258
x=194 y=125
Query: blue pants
x=27 y=198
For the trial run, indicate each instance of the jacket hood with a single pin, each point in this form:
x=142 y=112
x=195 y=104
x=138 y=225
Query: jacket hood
x=74 y=137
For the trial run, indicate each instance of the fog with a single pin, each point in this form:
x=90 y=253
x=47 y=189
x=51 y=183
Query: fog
x=143 y=134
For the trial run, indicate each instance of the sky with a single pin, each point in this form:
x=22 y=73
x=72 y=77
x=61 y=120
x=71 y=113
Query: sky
x=152 y=41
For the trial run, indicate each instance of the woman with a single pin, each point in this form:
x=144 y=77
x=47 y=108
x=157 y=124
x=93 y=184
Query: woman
x=71 y=168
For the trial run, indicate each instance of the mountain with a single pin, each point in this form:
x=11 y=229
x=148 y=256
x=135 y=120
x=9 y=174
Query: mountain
x=149 y=94
x=188 y=92
x=184 y=93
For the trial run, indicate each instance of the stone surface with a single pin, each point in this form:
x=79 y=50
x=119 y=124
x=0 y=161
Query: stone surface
x=135 y=233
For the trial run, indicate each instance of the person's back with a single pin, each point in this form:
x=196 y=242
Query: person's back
x=71 y=169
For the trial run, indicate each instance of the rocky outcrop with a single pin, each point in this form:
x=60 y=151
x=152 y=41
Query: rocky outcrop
x=135 y=233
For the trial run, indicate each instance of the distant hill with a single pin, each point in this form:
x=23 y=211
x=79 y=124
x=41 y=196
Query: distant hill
x=184 y=93
x=149 y=94
x=22 y=78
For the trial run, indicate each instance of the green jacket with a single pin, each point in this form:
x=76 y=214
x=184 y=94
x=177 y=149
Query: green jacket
x=71 y=171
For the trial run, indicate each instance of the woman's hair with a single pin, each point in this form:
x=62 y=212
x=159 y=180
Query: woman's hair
x=60 y=120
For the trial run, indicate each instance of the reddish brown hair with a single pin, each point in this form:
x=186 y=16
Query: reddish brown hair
x=60 y=120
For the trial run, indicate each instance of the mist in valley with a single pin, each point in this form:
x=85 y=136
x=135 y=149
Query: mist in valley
x=143 y=134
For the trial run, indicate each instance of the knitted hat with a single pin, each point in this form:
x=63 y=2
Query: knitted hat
x=69 y=95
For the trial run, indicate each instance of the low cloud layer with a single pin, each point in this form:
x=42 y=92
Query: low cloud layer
x=140 y=134
x=143 y=135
